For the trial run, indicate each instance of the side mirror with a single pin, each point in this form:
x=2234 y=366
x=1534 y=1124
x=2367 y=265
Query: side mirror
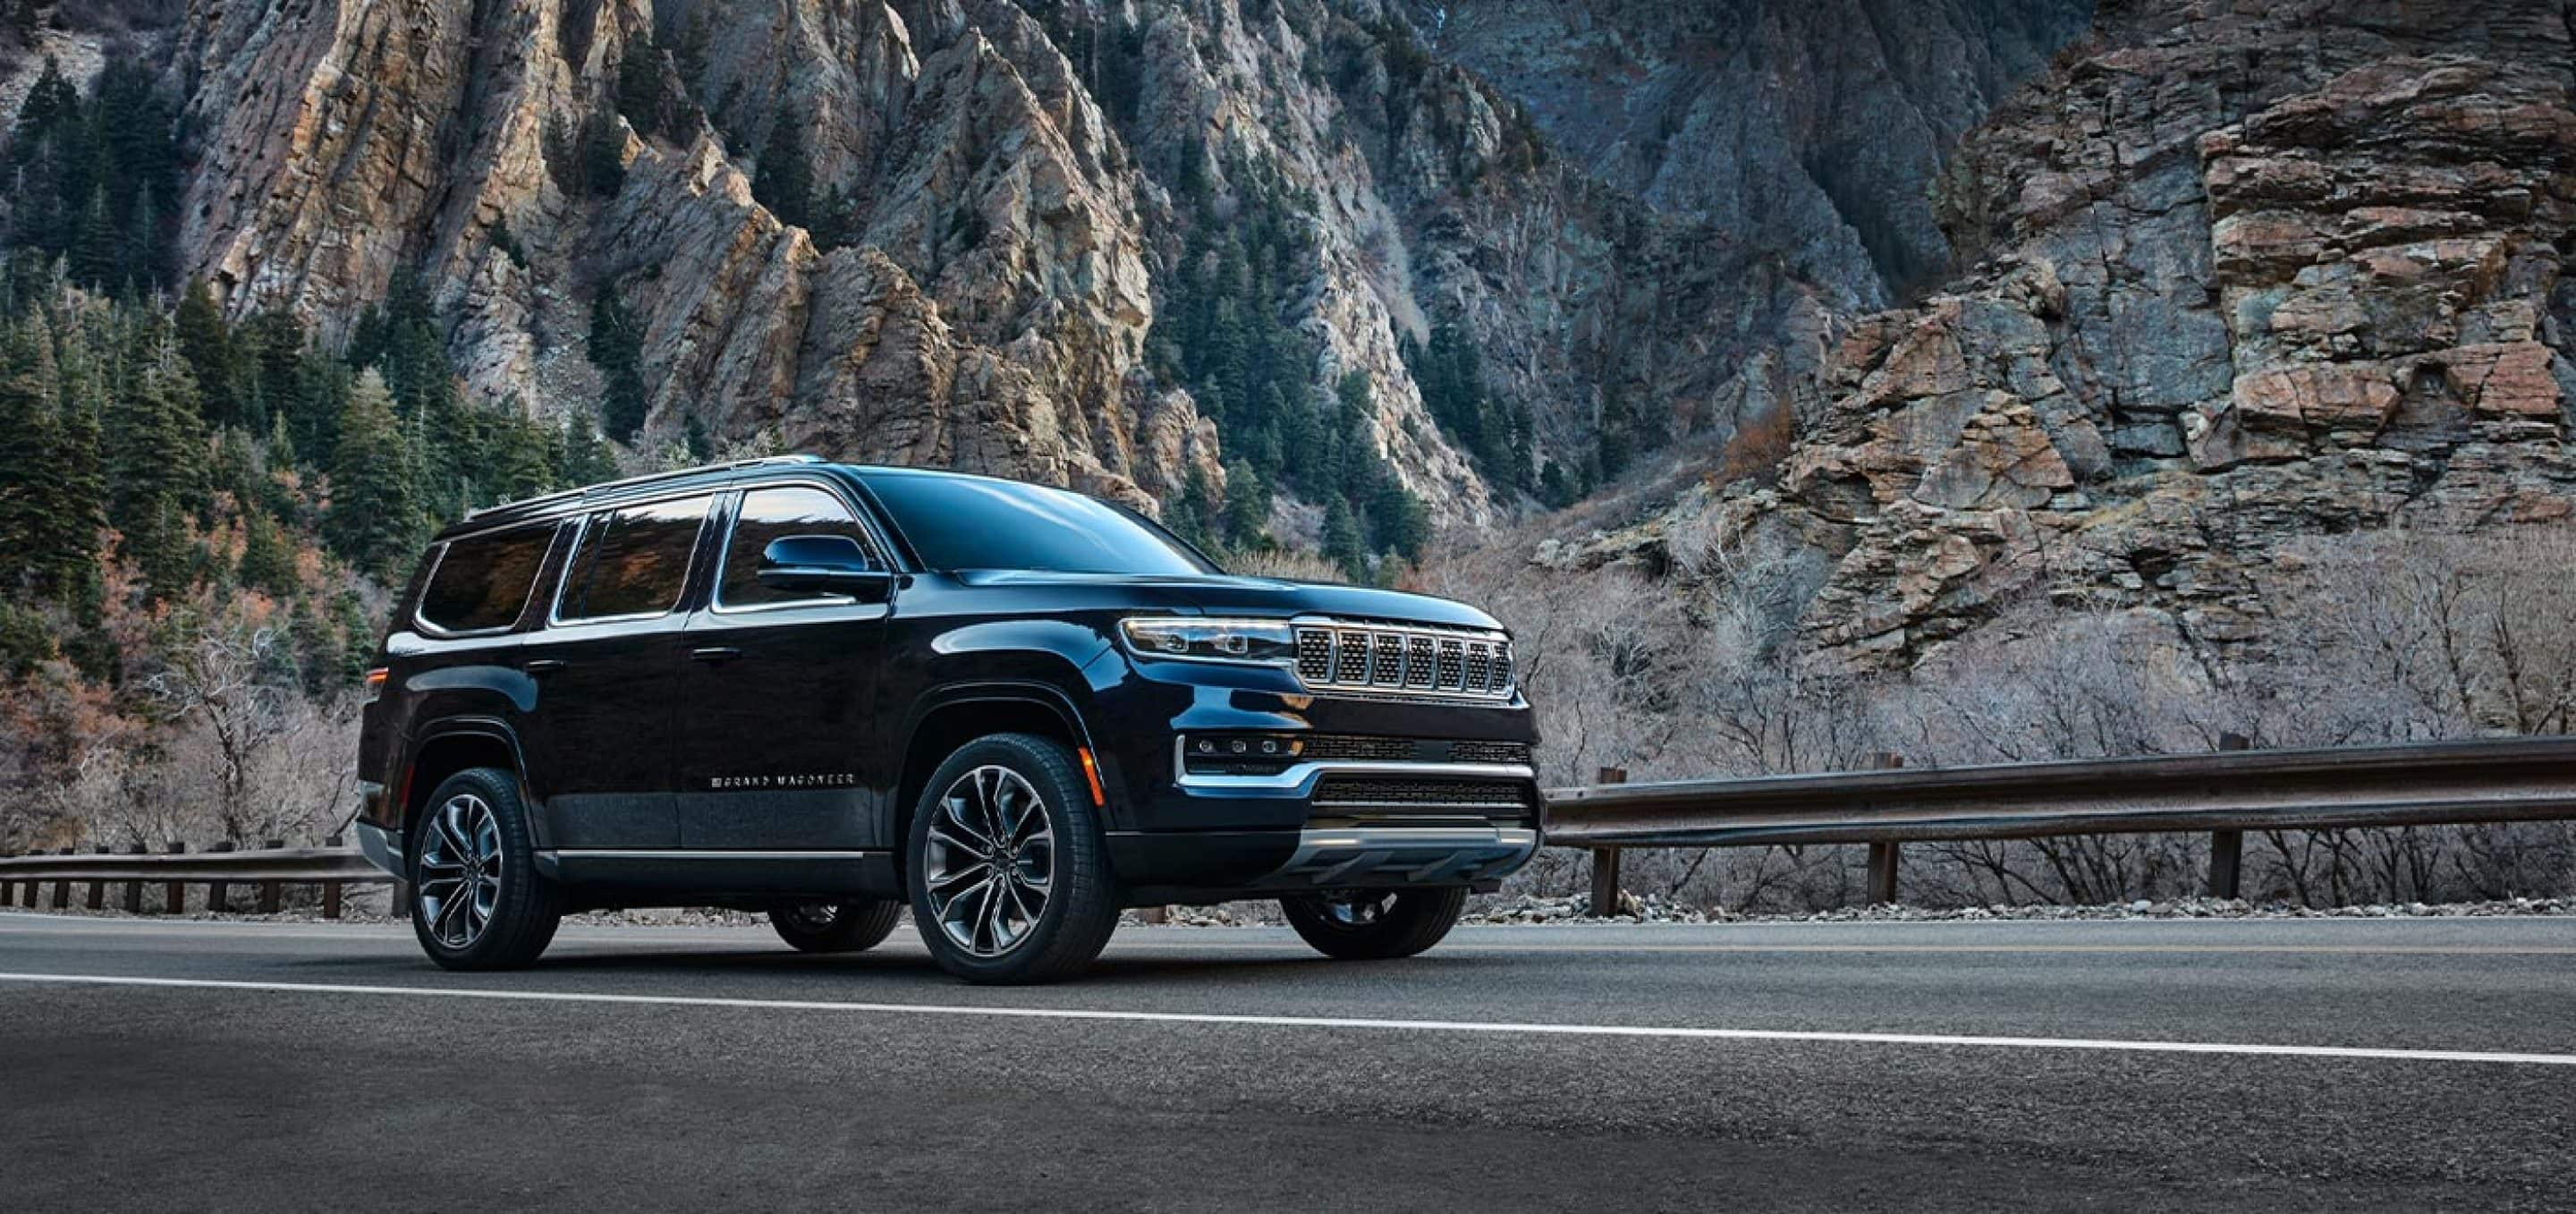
x=828 y=564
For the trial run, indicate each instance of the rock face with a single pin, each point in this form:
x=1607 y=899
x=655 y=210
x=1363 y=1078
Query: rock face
x=990 y=313
x=1638 y=217
x=2250 y=273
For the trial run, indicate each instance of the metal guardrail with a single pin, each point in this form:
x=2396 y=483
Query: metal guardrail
x=269 y=869
x=2226 y=793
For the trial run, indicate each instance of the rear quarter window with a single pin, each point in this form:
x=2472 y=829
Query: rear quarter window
x=482 y=582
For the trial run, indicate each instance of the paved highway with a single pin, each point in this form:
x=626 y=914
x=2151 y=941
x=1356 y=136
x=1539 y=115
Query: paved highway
x=2325 y=1065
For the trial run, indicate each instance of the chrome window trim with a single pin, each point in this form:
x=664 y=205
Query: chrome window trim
x=724 y=549
x=563 y=581
x=1295 y=775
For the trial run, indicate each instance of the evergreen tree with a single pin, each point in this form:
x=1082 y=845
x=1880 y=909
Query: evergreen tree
x=1342 y=542
x=603 y=155
x=1247 y=505
x=26 y=447
x=784 y=180
x=617 y=349
x=206 y=342
x=156 y=444
x=267 y=559
x=639 y=88
x=97 y=252
x=374 y=519
x=586 y=459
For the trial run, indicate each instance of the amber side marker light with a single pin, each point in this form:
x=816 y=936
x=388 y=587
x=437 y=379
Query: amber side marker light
x=374 y=685
x=1091 y=772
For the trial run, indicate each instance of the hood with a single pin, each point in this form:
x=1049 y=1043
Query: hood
x=1223 y=594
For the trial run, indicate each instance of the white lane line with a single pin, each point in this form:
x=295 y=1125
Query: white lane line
x=1323 y=1022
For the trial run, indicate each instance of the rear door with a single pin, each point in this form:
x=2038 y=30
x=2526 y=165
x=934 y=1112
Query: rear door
x=606 y=669
x=779 y=692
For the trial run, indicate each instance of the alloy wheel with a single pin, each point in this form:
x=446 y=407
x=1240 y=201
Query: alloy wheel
x=1356 y=909
x=460 y=870
x=989 y=864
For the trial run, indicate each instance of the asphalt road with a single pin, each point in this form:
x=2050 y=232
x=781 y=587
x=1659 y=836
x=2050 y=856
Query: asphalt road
x=2328 y=1065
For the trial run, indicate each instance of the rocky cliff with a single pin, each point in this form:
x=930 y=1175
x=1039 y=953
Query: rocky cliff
x=2244 y=274
x=997 y=204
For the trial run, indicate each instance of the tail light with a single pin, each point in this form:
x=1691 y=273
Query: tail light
x=373 y=685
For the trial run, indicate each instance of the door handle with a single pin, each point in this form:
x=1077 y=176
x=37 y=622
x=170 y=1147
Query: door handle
x=544 y=665
x=715 y=653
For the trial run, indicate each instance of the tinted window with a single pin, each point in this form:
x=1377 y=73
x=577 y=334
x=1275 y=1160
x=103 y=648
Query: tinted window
x=632 y=561
x=958 y=522
x=483 y=580
x=768 y=514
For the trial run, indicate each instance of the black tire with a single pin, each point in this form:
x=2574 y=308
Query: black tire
x=836 y=927
x=1375 y=925
x=1079 y=907
x=524 y=907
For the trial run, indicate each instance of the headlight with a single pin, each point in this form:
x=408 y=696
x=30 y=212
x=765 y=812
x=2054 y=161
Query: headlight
x=1268 y=642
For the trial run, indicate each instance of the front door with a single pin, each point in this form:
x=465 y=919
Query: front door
x=778 y=693
x=605 y=669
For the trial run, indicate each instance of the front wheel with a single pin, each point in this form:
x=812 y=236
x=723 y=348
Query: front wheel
x=478 y=902
x=1006 y=869
x=1375 y=925
x=836 y=927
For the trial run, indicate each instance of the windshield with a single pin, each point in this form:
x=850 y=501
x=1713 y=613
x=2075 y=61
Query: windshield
x=964 y=522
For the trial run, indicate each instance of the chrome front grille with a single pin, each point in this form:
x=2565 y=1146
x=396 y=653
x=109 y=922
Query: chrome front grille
x=1397 y=660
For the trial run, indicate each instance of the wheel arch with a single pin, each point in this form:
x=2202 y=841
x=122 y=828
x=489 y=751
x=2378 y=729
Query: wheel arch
x=451 y=747
x=959 y=714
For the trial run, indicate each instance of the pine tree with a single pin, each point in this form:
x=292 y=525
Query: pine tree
x=207 y=343
x=374 y=518
x=603 y=155
x=1247 y=505
x=784 y=181
x=1342 y=542
x=156 y=443
x=97 y=251
x=586 y=460
x=267 y=560
x=26 y=447
x=617 y=349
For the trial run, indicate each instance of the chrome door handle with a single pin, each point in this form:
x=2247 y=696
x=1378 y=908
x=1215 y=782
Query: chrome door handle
x=715 y=653
x=544 y=665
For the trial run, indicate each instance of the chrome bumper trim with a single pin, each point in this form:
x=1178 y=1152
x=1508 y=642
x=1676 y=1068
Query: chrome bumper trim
x=1296 y=775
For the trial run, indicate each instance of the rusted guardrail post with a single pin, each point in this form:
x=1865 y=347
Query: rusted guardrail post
x=218 y=892
x=1883 y=854
x=174 y=894
x=63 y=885
x=331 y=889
x=1605 y=860
x=2227 y=847
x=268 y=890
x=134 y=889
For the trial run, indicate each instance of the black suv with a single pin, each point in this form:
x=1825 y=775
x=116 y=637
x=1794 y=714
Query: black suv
x=825 y=691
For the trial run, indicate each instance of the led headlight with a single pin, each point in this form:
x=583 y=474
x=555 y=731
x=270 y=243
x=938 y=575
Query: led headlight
x=1203 y=640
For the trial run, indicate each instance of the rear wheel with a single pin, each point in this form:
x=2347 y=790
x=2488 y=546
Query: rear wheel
x=1375 y=925
x=1005 y=865
x=836 y=927
x=478 y=902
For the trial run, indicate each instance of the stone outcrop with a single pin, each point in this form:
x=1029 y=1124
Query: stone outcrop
x=2250 y=273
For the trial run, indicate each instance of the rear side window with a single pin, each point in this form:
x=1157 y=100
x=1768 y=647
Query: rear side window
x=482 y=581
x=633 y=561
x=769 y=514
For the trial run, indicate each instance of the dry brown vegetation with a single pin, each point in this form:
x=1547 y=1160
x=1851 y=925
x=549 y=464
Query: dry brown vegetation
x=2374 y=638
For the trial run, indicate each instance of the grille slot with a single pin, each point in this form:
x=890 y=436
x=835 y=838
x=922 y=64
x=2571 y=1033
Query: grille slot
x=1489 y=752
x=1400 y=660
x=1386 y=794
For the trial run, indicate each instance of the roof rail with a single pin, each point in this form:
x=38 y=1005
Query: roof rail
x=565 y=495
